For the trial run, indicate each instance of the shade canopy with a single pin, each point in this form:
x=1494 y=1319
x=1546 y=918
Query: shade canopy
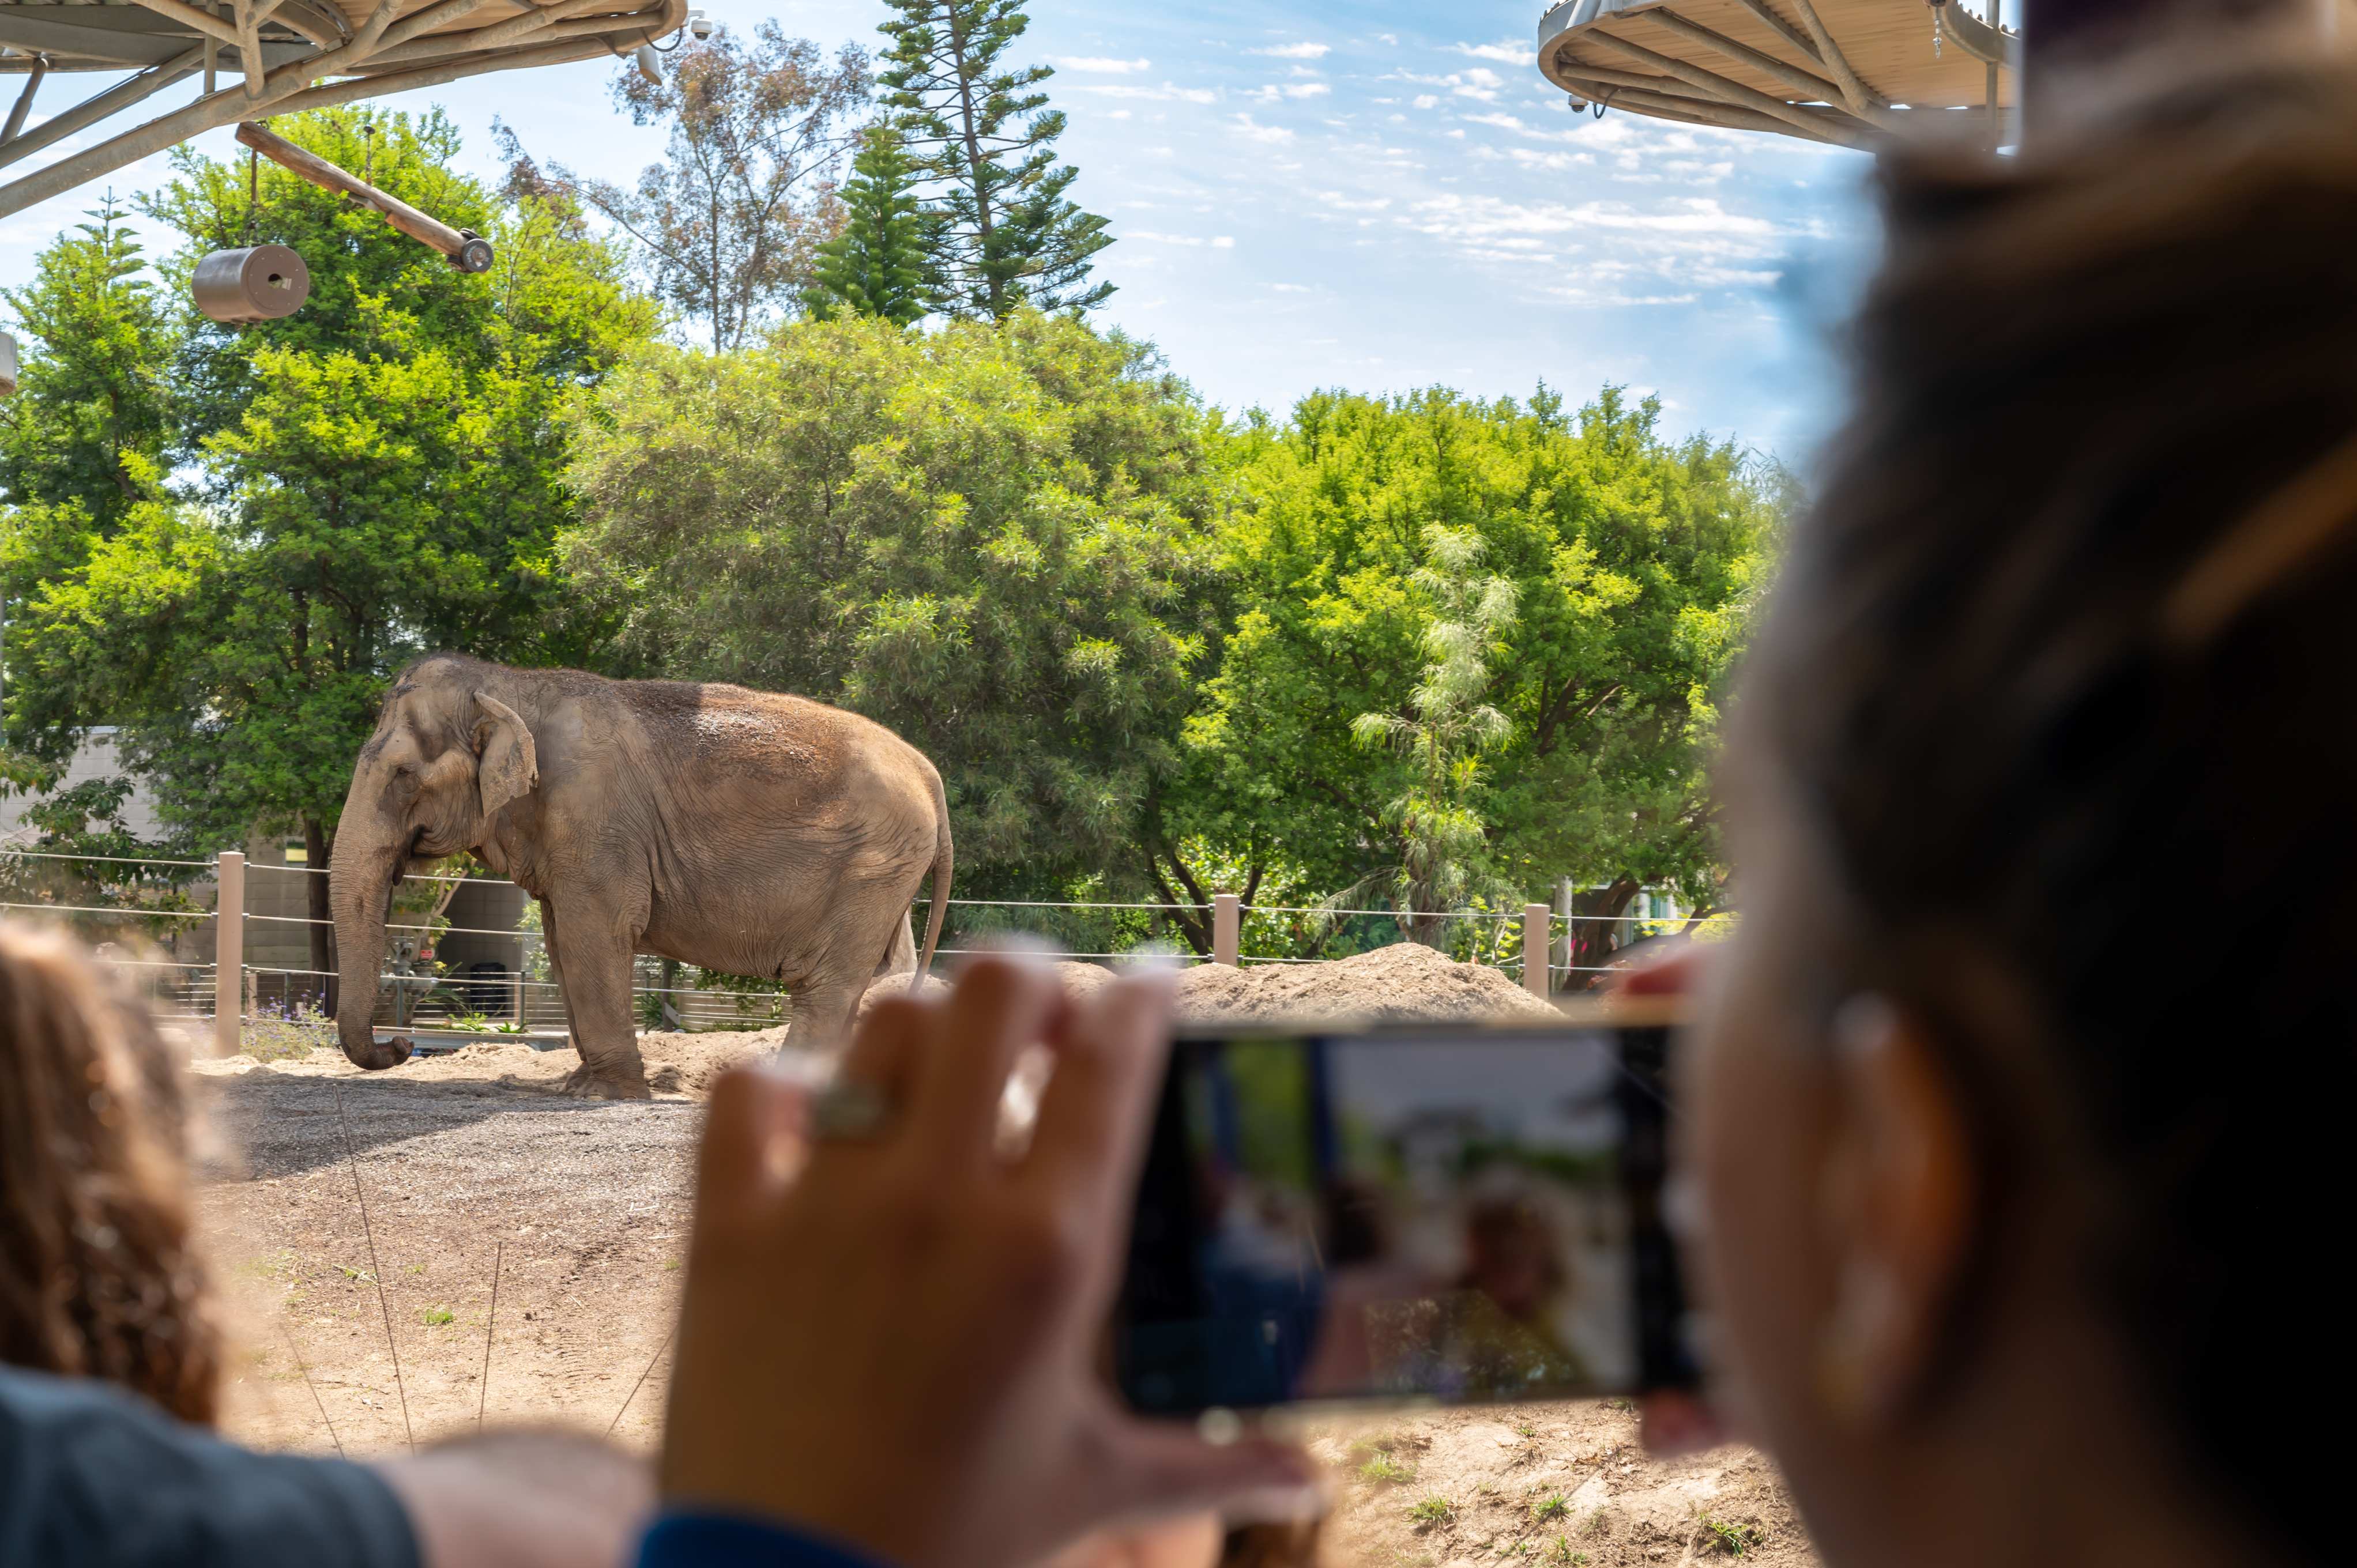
x=1844 y=71
x=256 y=58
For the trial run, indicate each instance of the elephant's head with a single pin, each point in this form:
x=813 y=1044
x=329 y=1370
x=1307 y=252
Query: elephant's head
x=446 y=757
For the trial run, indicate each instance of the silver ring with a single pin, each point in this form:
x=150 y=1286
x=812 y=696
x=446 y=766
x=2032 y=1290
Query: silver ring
x=848 y=1110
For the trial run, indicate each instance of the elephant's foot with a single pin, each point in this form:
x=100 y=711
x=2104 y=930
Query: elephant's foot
x=584 y=1083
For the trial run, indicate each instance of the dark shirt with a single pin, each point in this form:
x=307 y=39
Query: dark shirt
x=686 y=1539
x=90 y=1476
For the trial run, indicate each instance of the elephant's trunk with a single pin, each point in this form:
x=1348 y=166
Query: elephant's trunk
x=368 y=859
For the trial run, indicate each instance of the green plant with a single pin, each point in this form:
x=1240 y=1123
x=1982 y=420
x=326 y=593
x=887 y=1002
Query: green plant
x=1553 y=1506
x=1562 y=1552
x=1386 y=1468
x=1525 y=1429
x=1429 y=1511
x=435 y=1317
x=1733 y=1538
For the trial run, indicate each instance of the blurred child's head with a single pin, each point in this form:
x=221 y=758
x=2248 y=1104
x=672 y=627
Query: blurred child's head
x=98 y=1275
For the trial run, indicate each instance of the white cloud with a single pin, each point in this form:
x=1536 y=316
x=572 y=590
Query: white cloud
x=1387 y=38
x=1479 y=83
x=1278 y=93
x=1292 y=288
x=1168 y=92
x=1531 y=157
x=1267 y=135
x=1505 y=54
x=1295 y=51
x=1150 y=237
x=1426 y=101
x=1341 y=203
x=1099 y=62
x=1223 y=241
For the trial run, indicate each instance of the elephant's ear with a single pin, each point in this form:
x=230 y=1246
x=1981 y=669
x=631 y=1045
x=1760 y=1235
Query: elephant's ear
x=507 y=766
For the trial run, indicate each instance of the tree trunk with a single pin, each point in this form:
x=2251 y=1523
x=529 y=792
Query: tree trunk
x=1597 y=930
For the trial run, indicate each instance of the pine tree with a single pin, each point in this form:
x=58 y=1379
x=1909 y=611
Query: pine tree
x=1005 y=233
x=875 y=265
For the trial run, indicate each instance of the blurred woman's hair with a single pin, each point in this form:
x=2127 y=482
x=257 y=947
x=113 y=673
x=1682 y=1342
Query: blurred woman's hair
x=2061 y=674
x=99 y=1277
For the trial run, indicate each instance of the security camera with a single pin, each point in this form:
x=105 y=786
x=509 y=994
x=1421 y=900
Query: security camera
x=699 y=26
x=7 y=364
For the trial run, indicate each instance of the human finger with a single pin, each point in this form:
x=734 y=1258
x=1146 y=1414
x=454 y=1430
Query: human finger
x=883 y=1050
x=1000 y=1006
x=1674 y=975
x=751 y=1150
x=1673 y=1422
x=1094 y=1112
x=1161 y=1468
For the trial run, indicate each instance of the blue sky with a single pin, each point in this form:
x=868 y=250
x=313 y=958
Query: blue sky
x=1380 y=196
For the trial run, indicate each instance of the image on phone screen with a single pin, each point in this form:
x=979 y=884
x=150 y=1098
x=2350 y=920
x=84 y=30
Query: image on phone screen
x=1456 y=1216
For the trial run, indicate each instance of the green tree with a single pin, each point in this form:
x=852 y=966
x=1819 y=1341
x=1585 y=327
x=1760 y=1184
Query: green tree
x=86 y=430
x=386 y=480
x=1634 y=562
x=83 y=439
x=875 y=265
x=1447 y=728
x=730 y=221
x=991 y=539
x=1005 y=234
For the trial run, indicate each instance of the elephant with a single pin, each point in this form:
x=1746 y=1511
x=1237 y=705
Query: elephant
x=746 y=831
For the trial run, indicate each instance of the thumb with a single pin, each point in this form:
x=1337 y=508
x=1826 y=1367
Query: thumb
x=1160 y=1467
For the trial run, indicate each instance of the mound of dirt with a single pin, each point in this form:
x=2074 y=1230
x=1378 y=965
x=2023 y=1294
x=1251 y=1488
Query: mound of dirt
x=1404 y=983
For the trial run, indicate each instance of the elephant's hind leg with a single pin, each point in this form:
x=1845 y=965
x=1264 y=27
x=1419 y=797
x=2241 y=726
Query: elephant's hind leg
x=900 y=958
x=824 y=1011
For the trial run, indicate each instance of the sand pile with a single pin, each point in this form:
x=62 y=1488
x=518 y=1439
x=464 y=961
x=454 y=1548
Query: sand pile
x=1400 y=984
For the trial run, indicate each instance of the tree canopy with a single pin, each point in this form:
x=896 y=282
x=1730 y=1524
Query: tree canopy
x=374 y=477
x=730 y=222
x=1005 y=234
x=878 y=263
x=1633 y=564
x=991 y=539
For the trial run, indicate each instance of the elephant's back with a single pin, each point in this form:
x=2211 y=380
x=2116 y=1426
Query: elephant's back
x=791 y=745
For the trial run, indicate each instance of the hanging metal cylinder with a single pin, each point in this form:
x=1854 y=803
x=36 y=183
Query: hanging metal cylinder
x=260 y=283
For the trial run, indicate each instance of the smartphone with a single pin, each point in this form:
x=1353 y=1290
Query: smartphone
x=1430 y=1214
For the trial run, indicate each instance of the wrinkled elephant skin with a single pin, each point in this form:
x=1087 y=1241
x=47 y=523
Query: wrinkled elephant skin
x=747 y=832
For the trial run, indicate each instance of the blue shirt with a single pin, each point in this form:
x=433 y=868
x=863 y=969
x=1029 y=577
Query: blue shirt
x=93 y=1477
x=686 y=1540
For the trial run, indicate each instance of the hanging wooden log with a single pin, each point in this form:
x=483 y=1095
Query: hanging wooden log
x=259 y=283
x=467 y=251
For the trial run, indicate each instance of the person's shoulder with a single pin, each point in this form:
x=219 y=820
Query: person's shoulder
x=90 y=1474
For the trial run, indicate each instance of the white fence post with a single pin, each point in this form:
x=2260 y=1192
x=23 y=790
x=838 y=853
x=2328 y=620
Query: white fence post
x=1537 y=923
x=1227 y=929
x=228 y=954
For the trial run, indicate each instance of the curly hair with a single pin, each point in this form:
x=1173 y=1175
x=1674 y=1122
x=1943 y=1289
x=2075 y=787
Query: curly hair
x=97 y=1275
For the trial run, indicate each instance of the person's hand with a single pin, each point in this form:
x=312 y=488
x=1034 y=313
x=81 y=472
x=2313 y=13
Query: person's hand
x=895 y=1349
x=522 y=1498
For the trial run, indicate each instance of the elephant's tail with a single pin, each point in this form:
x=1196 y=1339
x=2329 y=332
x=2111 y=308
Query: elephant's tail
x=943 y=858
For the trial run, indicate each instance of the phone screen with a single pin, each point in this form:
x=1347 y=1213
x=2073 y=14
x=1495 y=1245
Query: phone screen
x=1460 y=1215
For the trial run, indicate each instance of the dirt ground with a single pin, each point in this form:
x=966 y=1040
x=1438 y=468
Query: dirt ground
x=477 y=1159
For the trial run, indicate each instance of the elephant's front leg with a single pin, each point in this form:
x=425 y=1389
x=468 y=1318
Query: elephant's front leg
x=596 y=964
